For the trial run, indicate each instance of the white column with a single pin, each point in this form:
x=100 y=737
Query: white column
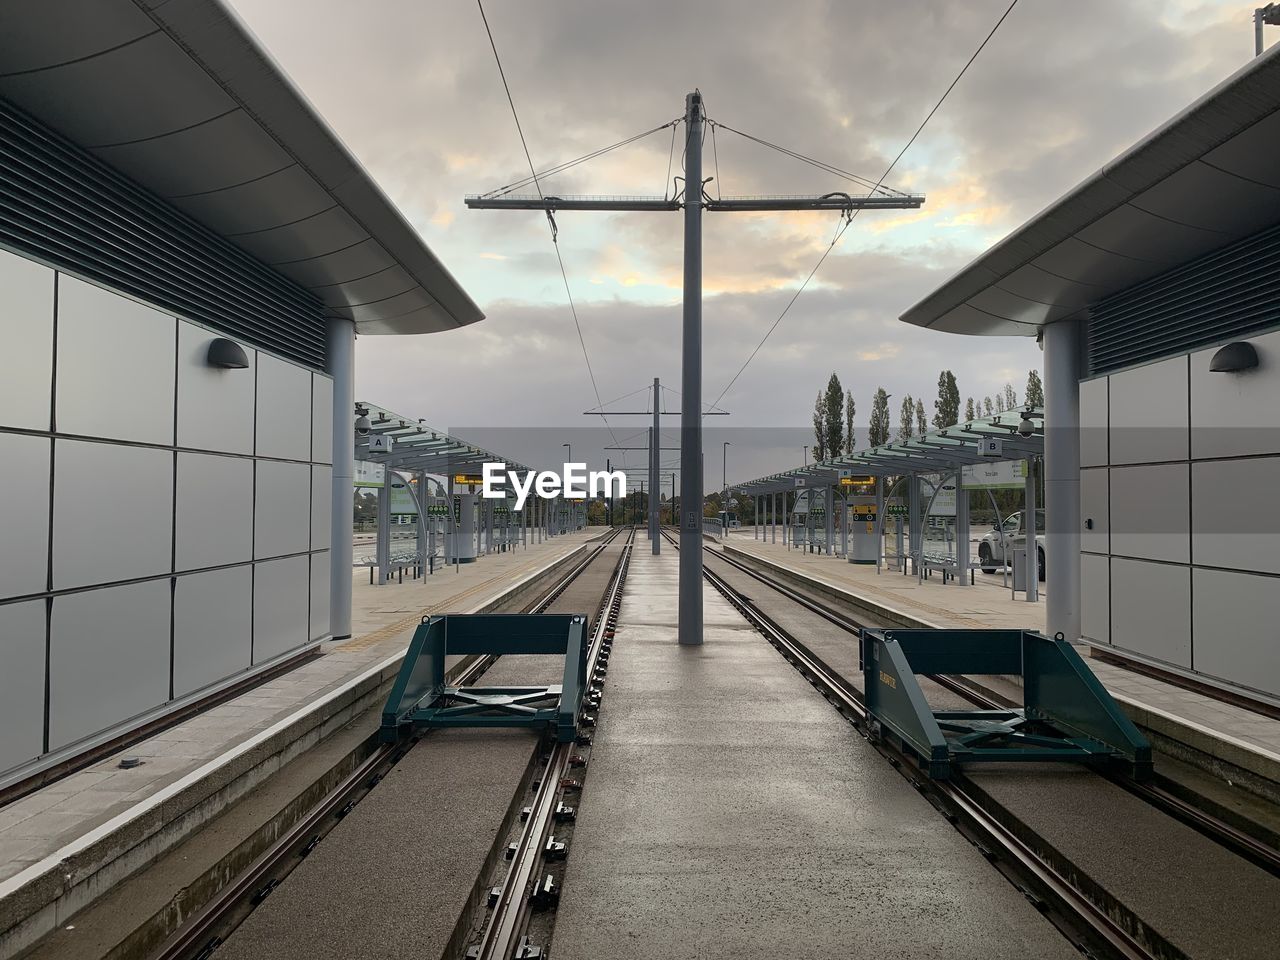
x=1062 y=477
x=342 y=355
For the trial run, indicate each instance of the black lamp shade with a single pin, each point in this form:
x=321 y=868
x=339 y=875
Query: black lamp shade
x=227 y=354
x=1234 y=357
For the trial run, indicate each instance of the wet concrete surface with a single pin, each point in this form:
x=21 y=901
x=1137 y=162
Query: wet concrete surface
x=1200 y=897
x=394 y=877
x=731 y=812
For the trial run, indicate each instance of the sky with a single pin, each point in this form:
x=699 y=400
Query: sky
x=413 y=90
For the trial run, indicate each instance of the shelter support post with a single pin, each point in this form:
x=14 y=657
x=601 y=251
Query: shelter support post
x=1029 y=515
x=342 y=352
x=1062 y=477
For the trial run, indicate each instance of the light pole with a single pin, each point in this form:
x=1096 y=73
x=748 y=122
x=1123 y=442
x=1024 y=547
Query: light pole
x=724 y=479
x=1270 y=14
x=568 y=458
x=806 y=456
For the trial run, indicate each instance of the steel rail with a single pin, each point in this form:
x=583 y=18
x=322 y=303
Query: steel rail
x=199 y=937
x=1234 y=839
x=1073 y=904
x=508 y=920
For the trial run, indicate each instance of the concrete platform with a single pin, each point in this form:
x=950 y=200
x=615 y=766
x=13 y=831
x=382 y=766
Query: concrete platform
x=1237 y=738
x=731 y=812
x=69 y=843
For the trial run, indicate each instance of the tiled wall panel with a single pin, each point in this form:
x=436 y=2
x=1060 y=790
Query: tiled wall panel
x=214 y=516
x=112 y=513
x=24 y=514
x=108 y=658
x=212 y=627
x=215 y=405
x=22 y=648
x=115 y=365
x=280 y=606
x=26 y=361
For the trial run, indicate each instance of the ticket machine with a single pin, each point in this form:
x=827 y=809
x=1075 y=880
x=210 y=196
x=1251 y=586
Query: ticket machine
x=460 y=528
x=862 y=516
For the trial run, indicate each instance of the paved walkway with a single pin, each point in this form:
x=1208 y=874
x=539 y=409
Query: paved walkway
x=98 y=798
x=1223 y=730
x=730 y=812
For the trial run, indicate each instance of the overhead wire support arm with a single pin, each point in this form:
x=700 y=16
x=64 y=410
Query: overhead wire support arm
x=555 y=204
x=842 y=202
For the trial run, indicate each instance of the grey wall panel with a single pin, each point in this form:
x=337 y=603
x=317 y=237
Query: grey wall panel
x=280 y=606
x=1234 y=414
x=1150 y=512
x=284 y=409
x=115 y=365
x=212 y=627
x=319 y=595
x=214 y=514
x=26 y=362
x=282 y=515
x=1237 y=628
x=1093 y=422
x=108 y=659
x=321 y=419
x=215 y=406
x=1095 y=508
x=22 y=636
x=1234 y=520
x=1151 y=609
x=1149 y=414
x=321 y=498
x=24 y=514
x=112 y=513
x=1095 y=597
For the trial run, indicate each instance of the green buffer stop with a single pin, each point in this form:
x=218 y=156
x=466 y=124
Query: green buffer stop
x=1067 y=714
x=421 y=698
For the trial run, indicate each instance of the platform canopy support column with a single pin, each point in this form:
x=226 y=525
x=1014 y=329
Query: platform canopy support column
x=342 y=350
x=1029 y=510
x=1062 y=477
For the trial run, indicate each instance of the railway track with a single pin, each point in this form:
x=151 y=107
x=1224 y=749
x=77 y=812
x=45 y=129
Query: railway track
x=209 y=927
x=1098 y=929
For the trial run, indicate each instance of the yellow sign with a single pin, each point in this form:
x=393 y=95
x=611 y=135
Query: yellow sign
x=857 y=481
x=467 y=478
x=888 y=680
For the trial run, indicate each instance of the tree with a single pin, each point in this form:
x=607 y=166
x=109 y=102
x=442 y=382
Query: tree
x=922 y=425
x=819 y=435
x=878 y=433
x=1010 y=396
x=833 y=418
x=848 y=422
x=947 y=406
x=906 y=419
x=1035 y=389
x=1000 y=408
x=987 y=409
x=969 y=409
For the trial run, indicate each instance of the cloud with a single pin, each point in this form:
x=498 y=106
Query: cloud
x=1059 y=91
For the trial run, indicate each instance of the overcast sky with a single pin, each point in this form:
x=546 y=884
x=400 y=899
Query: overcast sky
x=411 y=87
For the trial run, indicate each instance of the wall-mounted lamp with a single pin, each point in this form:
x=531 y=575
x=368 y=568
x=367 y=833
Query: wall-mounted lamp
x=226 y=354
x=1234 y=357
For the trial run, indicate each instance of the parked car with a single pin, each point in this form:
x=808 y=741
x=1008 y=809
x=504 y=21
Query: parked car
x=991 y=549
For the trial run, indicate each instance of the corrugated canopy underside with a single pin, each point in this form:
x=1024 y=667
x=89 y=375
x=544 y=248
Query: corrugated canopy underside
x=180 y=97
x=1207 y=177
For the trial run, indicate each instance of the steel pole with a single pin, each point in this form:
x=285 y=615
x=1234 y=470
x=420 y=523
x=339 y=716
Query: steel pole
x=342 y=348
x=655 y=443
x=1062 y=477
x=690 y=615
x=1257 y=32
x=1029 y=510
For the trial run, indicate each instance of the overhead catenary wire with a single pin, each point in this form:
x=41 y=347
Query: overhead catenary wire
x=879 y=183
x=551 y=221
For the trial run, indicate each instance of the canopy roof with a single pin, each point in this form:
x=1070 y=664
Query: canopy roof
x=1204 y=179
x=941 y=451
x=417 y=446
x=180 y=97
